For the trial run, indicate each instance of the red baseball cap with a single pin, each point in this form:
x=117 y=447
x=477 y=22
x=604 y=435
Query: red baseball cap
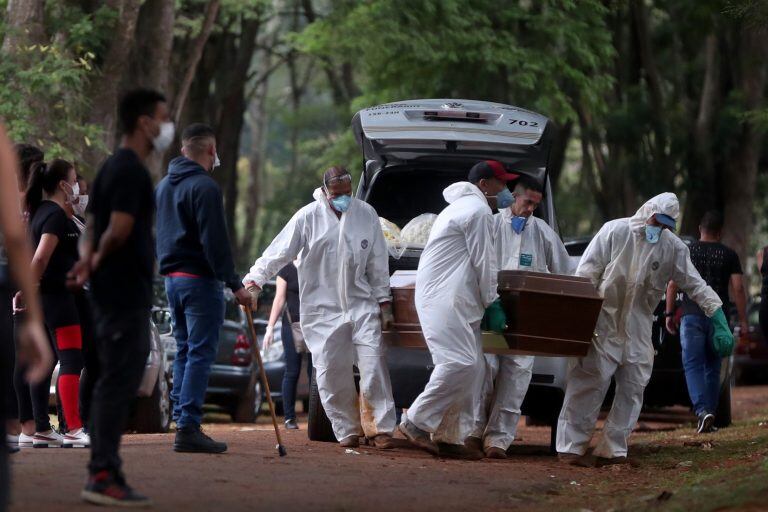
x=490 y=169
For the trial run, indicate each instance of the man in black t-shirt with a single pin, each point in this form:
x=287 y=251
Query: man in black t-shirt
x=720 y=267
x=117 y=254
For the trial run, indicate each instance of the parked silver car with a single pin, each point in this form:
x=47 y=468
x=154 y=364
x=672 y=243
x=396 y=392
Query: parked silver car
x=152 y=409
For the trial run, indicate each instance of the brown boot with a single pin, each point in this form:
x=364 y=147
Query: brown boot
x=459 y=451
x=605 y=461
x=494 y=452
x=382 y=442
x=350 y=442
x=474 y=443
x=418 y=437
x=573 y=459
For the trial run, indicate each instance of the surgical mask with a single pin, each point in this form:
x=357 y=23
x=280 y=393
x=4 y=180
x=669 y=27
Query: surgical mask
x=216 y=161
x=80 y=206
x=653 y=233
x=504 y=199
x=341 y=203
x=164 y=139
x=518 y=224
x=72 y=196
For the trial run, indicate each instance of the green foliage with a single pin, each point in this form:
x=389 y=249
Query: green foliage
x=540 y=55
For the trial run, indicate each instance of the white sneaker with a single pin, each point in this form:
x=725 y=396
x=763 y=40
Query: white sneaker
x=12 y=441
x=49 y=439
x=26 y=441
x=77 y=439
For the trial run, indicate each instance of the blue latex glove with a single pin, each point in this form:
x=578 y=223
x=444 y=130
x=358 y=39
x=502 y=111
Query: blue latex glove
x=722 y=340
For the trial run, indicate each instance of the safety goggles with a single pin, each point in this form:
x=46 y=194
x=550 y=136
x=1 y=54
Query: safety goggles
x=344 y=178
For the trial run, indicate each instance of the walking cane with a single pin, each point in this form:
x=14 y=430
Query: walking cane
x=263 y=377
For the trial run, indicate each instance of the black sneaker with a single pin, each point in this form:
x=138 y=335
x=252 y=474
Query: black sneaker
x=706 y=421
x=104 y=489
x=291 y=424
x=193 y=440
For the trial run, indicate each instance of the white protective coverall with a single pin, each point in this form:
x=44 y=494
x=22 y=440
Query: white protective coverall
x=631 y=275
x=455 y=282
x=538 y=249
x=343 y=276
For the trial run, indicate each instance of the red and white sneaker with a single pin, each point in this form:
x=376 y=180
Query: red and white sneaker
x=77 y=439
x=49 y=439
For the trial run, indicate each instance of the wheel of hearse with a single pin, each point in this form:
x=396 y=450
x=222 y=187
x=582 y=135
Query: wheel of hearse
x=152 y=414
x=318 y=425
x=248 y=406
x=723 y=413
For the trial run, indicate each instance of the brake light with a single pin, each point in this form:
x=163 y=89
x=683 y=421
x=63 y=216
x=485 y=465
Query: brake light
x=242 y=354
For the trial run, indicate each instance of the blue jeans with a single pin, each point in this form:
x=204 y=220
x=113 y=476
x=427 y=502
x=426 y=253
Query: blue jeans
x=197 y=313
x=292 y=370
x=701 y=363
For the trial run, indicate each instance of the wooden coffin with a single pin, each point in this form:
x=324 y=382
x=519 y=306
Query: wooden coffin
x=547 y=314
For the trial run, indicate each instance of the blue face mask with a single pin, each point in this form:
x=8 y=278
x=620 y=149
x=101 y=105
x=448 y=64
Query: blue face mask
x=653 y=233
x=341 y=203
x=504 y=199
x=518 y=224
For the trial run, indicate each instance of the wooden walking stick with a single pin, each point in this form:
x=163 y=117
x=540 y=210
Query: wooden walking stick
x=263 y=377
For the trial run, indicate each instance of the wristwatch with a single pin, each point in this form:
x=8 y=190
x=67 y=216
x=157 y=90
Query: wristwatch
x=669 y=314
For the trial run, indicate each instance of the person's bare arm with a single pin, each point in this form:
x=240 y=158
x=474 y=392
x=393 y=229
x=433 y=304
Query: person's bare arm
x=281 y=294
x=739 y=294
x=670 y=307
x=759 y=260
x=40 y=260
x=33 y=342
x=115 y=236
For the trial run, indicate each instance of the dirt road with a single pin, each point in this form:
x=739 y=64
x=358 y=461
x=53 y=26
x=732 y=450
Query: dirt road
x=671 y=469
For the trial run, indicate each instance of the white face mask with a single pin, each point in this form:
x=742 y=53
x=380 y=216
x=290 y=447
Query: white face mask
x=164 y=139
x=80 y=206
x=72 y=196
x=216 y=161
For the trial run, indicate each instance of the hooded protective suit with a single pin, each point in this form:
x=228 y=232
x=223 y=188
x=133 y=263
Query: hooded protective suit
x=539 y=249
x=343 y=276
x=631 y=274
x=455 y=282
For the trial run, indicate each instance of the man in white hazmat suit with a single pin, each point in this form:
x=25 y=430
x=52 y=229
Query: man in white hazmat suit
x=344 y=299
x=630 y=260
x=455 y=282
x=522 y=242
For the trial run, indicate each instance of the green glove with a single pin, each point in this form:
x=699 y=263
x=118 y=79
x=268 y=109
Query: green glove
x=494 y=320
x=722 y=341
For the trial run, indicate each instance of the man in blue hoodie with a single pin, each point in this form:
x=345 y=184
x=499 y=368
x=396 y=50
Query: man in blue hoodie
x=195 y=257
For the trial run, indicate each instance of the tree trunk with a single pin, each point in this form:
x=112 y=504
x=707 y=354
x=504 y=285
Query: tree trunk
x=701 y=169
x=105 y=88
x=739 y=186
x=180 y=97
x=255 y=189
x=24 y=25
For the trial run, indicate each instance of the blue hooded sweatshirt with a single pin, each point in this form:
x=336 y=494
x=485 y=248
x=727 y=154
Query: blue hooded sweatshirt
x=191 y=229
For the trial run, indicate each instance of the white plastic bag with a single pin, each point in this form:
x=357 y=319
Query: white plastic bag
x=392 y=236
x=416 y=233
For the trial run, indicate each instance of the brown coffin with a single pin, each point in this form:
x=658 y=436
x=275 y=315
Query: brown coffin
x=547 y=314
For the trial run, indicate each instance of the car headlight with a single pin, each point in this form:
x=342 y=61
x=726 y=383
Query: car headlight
x=273 y=353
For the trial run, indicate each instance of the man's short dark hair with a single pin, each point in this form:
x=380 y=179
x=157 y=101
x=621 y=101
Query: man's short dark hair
x=137 y=103
x=529 y=183
x=196 y=130
x=712 y=222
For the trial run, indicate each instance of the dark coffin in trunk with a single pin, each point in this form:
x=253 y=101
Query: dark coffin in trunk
x=547 y=314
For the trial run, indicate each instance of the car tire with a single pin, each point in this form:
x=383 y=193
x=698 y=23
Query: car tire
x=248 y=406
x=723 y=416
x=152 y=414
x=318 y=425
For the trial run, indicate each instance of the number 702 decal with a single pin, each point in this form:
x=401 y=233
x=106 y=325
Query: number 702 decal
x=522 y=122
